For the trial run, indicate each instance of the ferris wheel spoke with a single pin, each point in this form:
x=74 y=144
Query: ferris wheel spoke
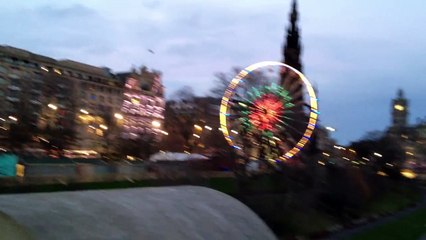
x=286 y=125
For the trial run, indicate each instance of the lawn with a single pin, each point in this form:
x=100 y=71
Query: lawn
x=393 y=201
x=409 y=227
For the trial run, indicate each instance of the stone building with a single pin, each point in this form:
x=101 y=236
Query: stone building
x=65 y=94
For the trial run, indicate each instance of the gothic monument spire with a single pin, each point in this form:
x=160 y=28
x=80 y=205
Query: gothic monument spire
x=292 y=48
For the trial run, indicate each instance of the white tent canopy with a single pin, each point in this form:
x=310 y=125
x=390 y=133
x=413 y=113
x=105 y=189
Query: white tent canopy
x=185 y=212
x=174 y=156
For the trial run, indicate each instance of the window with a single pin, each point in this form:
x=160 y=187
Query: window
x=13 y=76
x=3 y=81
x=145 y=87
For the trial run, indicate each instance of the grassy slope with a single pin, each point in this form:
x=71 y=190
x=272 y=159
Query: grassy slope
x=409 y=227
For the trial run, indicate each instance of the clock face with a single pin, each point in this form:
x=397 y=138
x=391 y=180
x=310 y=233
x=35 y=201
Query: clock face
x=399 y=107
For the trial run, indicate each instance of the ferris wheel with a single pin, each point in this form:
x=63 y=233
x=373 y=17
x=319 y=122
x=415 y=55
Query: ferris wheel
x=269 y=111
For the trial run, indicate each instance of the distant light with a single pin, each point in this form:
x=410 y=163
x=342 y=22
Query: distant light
x=165 y=133
x=330 y=129
x=409 y=153
x=45 y=68
x=408 y=173
x=156 y=124
x=57 y=71
x=52 y=106
x=355 y=162
x=339 y=147
x=321 y=163
x=208 y=128
x=378 y=154
x=242 y=104
x=220 y=129
x=233 y=131
x=84 y=111
x=366 y=159
x=198 y=127
x=131 y=158
x=399 y=107
x=347 y=159
x=13 y=118
x=351 y=150
x=326 y=154
x=186 y=152
x=135 y=101
x=389 y=164
x=43 y=139
x=196 y=135
x=276 y=139
x=118 y=116
x=104 y=127
x=2 y=119
x=381 y=173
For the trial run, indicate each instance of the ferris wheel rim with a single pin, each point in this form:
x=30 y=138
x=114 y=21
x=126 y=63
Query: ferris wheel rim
x=313 y=105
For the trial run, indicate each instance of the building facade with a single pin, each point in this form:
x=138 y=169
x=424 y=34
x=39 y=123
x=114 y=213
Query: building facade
x=143 y=104
x=66 y=94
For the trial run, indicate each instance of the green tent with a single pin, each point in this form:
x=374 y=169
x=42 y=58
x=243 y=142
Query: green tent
x=8 y=163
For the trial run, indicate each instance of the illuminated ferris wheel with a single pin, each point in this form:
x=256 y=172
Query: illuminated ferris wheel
x=269 y=111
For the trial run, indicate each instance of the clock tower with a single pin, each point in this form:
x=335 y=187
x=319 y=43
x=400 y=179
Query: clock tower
x=399 y=110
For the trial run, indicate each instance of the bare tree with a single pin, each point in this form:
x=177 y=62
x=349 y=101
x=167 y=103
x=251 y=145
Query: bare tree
x=253 y=80
x=180 y=116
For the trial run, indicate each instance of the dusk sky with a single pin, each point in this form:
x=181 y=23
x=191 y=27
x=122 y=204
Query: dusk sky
x=357 y=53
